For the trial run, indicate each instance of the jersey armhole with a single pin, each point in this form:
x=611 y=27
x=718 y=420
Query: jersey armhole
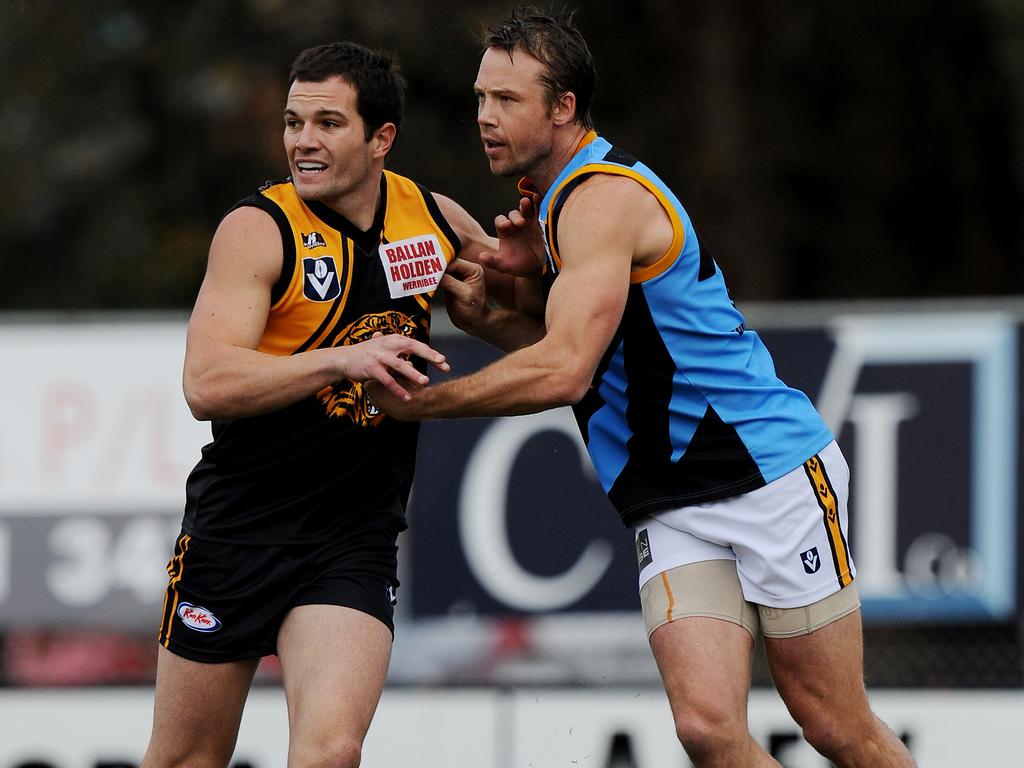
x=643 y=274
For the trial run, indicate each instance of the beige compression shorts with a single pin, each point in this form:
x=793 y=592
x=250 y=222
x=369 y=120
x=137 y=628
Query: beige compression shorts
x=712 y=589
x=773 y=560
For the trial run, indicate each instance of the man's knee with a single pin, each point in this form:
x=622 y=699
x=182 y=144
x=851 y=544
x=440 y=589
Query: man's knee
x=706 y=730
x=194 y=758
x=334 y=752
x=829 y=734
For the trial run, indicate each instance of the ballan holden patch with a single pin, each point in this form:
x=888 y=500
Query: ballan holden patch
x=414 y=265
x=198 y=618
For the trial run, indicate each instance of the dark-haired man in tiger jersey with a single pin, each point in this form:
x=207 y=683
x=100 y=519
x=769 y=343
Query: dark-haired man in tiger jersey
x=314 y=286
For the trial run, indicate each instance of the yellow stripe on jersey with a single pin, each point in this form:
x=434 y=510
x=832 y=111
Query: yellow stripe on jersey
x=293 y=319
x=829 y=504
x=327 y=328
x=674 y=249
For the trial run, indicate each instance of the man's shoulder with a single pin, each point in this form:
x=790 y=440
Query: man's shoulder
x=269 y=203
x=603 y=186
x=276 y=191
x=248 y=221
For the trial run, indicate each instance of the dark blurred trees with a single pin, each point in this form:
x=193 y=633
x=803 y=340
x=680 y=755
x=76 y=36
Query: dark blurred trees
x=850 y=149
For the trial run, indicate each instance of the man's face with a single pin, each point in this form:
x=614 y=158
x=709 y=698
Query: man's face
x=513 y=112
x=325 y=140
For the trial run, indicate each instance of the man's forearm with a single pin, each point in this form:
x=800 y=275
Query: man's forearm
x=507 y=329
x=237 y=382
x=523 y=382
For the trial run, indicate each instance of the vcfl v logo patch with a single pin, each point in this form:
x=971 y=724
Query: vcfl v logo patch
x=321 y=279
x=811 y=560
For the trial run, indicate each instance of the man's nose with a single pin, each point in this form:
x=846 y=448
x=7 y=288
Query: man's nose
x=308 y=137
x=485 y=113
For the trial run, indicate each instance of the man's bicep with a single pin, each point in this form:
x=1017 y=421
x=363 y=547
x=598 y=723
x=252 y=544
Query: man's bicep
x=585 y=306
x=587 y=299
x=244 y=263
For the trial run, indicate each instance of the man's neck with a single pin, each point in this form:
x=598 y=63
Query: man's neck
x=359 y=206
x=563 y=148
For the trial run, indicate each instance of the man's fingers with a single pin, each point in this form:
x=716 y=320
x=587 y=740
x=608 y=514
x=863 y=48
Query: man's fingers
x=402 y=368
x=503 y=226
x=388 y=381
x=510 y=224
x=456 y=288
x=399 y=348
x=463 y=269
x=403 y=345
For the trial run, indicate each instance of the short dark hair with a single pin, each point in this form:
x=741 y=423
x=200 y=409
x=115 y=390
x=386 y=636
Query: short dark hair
x=380 y=89
x=558 y=45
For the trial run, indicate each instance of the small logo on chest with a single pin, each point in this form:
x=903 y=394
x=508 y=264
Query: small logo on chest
x=321 y=279
x=313 y=240
x=414 y=265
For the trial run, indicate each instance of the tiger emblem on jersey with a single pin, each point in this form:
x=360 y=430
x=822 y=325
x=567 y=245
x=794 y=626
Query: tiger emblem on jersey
x=347 y=399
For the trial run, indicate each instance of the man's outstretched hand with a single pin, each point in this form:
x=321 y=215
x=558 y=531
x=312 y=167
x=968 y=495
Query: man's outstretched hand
x=520 y=242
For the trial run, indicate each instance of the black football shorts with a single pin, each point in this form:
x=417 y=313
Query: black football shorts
x=226 y=602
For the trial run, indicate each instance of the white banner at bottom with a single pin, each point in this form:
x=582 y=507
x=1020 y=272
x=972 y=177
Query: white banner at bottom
x=522 y=728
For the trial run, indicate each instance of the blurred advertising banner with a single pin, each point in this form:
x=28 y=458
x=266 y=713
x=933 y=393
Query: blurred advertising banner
x=507 y=516
x=95 y=444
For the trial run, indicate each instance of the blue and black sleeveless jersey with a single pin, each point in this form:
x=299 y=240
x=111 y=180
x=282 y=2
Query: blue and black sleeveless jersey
x=685 y=406
x=300 y=474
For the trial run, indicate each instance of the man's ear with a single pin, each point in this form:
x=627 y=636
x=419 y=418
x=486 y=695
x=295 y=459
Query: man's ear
x=383 y=139
x=564 y=110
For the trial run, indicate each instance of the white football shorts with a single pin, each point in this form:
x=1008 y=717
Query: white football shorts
x=789 y=539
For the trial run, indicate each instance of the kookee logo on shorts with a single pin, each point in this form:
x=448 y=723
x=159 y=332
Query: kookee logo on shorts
x=198 y=618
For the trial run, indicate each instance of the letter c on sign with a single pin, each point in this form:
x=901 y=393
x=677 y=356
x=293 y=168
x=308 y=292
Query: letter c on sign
x=482 y=520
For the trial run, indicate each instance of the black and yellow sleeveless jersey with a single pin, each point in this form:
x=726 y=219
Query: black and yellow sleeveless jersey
x=299 y=473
